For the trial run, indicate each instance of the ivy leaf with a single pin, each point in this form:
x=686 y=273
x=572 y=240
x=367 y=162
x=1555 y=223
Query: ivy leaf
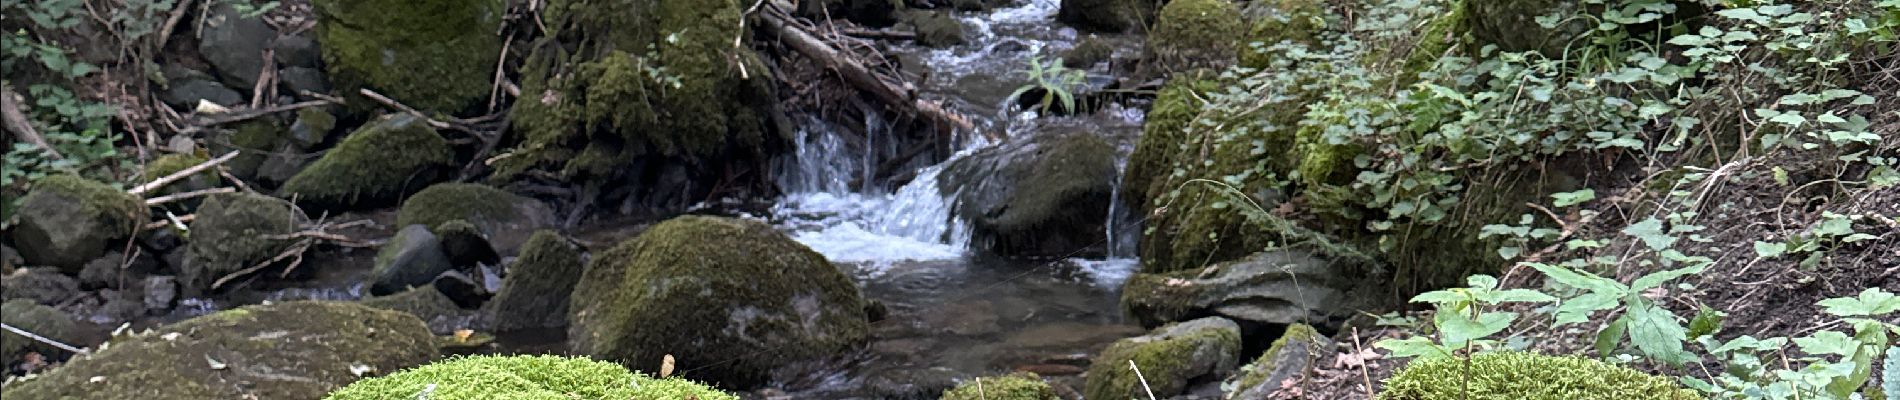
x=1828 y=343
x=1651 y=232
x=1440 y=297
x=1656 y=333
x=1871 y=302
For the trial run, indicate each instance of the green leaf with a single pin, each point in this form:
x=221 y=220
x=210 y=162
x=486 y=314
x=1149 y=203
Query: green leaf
x=1579 y=309
x=1871 y=302
x=1610 y=336
x=1770 y=250
x=1440 y=297
x=1828 y=343
x=1651 y=232
x=1656 y=332
x=1580 y=280
x=1519 y=296
x=1567 y=199
x=1416 y=346
x=1660 y=277
x=1456 y=330
x=1706 y=322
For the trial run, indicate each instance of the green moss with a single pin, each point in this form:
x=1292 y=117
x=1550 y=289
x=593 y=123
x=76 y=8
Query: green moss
x=439 y=204
x=1191 y=34
x=292 y=350
x=233 y=232
x=1169 y=359
x=436 y=55
x=39 y=319
x=1017 y=386
x=1087 y=52
x=66 y=221
x=374 y=166
x=172 y=163
x=1262 y=368
x=1325 y=159
x=535 y=294
x=1299 y=21
x=524 y=377
x=747 y=293
x=1514 y=375
x=319 y=121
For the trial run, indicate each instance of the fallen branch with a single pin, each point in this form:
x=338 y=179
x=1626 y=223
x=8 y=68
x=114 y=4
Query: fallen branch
x=175 y=176
x=856 y=74
x=879 y=34
x=187 y=195
x=16 y=121
x=42 y=339
x=248 y=114
x=392 y=103
x=171 y=221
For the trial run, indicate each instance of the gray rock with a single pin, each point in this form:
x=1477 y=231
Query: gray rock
x=67 y=221
x=461 y=288
x=112 y=270
x=413 y=258
x=535 y=293
x=298 y=52
x=40 y=285
x=1044 y=196
x=186 y=94
x=304 y=79
x=10 y=258
x=1171 y=359
x=234 y=232
x=937 y=28
x=279 y=166
x=160 y=293
x=1289 y=357
x=312 y=127
x=39 y=319
x=235 y=45
x=1273 y=287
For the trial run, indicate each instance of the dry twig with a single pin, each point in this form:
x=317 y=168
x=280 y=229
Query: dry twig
x=181 y=174
x=187 y=195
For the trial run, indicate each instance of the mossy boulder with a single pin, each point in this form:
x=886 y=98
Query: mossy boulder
x=1170 y=358
x=751 y=298
x=1272 y=287
x=1512 y=24
x=1088 y=51
x=413 y=258
x=233 y=232
x=1527 y=376
x=42 y=320
x=1045 y=196
x=436 y=55
x=1289 y=357
x=374 y=166
x=1176 y=105
x=937 y=28
x=1017 y=386
x=465 y=244
x=535 y=293
x=293 y=350
x=1275 y=21
x=435 y=309
x=1110 y=16
x=524 y=377
x=66 y=221
x=1195 y=34
x=168 y=164
x=505 y=218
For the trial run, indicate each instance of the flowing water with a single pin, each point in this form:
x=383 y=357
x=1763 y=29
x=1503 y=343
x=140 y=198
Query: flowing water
x=955 y=314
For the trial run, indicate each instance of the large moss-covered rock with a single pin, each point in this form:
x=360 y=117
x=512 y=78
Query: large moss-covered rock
x=1047 y=195
x=524 y=377
x=1191 y=34
x=592 y=108
x=1113 y=16
x=374 y=166
x=234 y=232
x=535 y=293
x=1273 y=287
x=1288 y=357
x=751 y=298
x=1512 y=24
x=1170 y=358
x=506 y=219
x=39 y=319
x=1527 y=376
x=413 y=258
x=294 y=350
x=1018 y=386
x=436 y=55
x=66 y=221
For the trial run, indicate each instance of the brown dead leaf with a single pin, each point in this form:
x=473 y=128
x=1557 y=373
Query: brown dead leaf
x=1356 y=359
x=462 y=335
x=666 y=366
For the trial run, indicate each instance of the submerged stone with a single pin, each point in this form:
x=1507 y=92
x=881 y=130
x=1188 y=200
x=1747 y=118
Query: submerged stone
x=1044 y=196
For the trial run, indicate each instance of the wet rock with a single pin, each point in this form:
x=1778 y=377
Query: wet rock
x=1274 y=287
x=1289 y=357
x=304 y=79
x=871 y=13
x=9 y=259
x=505 y=219
x=461 y=288
x=376 y=165
x=1195 y=34
x=116 y=306
x=293 y=350
x=233 y=232
x=112 y=271
x=256 y=139
x=908 y=383
x=435 y=309
x=1044 y=196
x=39 y=319
x=41 y=285
x=747 y=293
x=937 y=28
x=535 y=293
x=312 y=127
x=66 y=221
x=1170 y=359
x=435 y=55
x=235 y=45
x=297 y=51
x=161 y=292
x=1112 y=16
x=1068 y=335
x=283 y=164
x=413 y=258
x=1018 y=386
x=186 y=94
x=465 y=245
x=1089 y=51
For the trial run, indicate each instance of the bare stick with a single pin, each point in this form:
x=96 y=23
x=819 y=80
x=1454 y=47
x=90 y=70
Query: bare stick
x=178 y=14
x=226 y=173
x=174 y=177
x=235 y=116
x=294 y=250
x=42 y=339
x=1144 y=380
x=187 y=195
x=501 y=62
x=266 y=79
x=170 y=221
x=16 y=121
x=855 y=73
x=379 y=98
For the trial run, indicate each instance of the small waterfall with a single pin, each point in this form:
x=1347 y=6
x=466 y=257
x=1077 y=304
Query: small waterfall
x=1123 y=226
x=914 y=223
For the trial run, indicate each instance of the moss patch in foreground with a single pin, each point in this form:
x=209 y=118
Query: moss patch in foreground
x=1516 y=375
x=1017 y=386
x=524 y=377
